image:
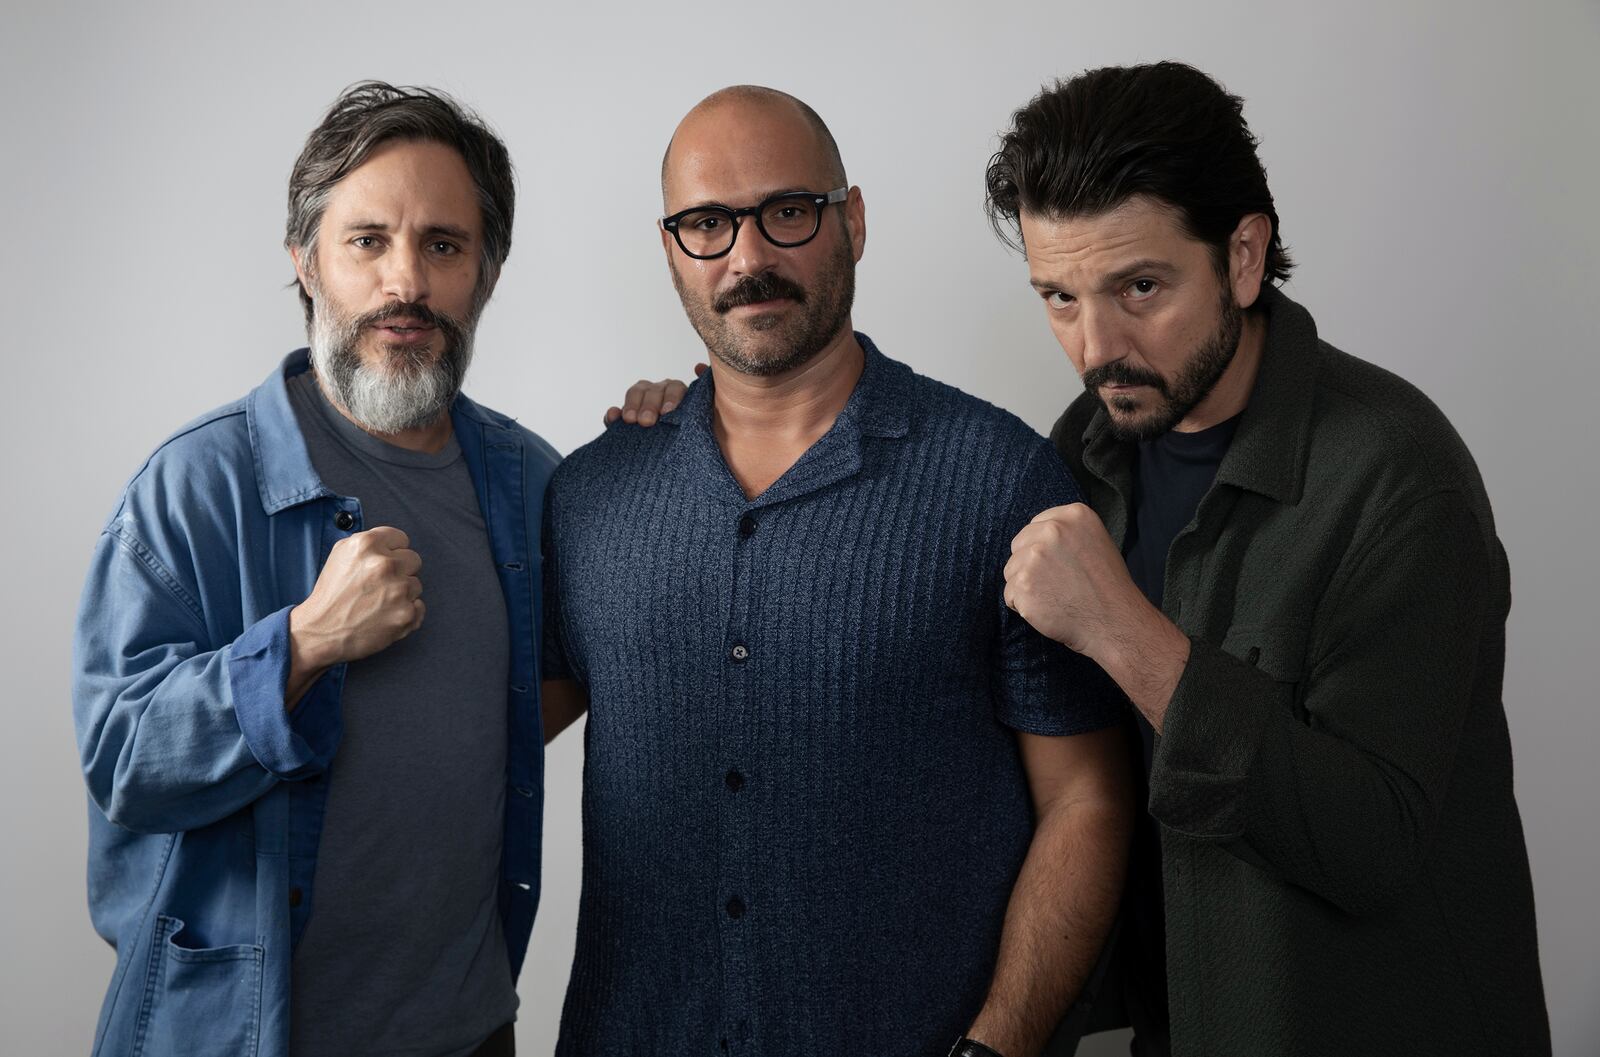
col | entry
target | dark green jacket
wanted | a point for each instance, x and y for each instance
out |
(1344, 866)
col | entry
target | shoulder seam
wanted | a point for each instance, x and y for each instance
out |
(147, 558)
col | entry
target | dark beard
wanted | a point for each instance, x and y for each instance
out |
(1198, 377)
(820, 318)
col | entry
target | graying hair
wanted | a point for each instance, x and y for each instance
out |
(371, 113)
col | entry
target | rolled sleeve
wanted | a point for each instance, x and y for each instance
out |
(288, 744)
(1209, 740)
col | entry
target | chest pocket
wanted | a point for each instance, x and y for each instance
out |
(1276, 650)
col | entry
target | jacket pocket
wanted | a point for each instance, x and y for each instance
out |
(1278, 651)
(200, 1001)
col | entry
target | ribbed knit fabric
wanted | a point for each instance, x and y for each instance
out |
(803, 802)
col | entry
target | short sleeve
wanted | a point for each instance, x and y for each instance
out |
(1041, 686)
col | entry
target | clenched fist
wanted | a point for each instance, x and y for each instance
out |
(367, 598)
(1066, 578)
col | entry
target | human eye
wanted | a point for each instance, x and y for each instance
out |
(706, 222)
(365, 242)
(1057, 299)
(443, 248)
(1142, 288)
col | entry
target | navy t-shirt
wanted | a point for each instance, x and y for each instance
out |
(1171, 477)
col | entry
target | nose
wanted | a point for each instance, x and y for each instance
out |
(405, 275)
(752, 254)
(1101, 337)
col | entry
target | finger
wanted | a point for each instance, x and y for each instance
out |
(612, 414)
(633, 400)
(419, 610)
(701, 368)
(413, 588)
(387, 537)
(673, 395)
(652, 401)
(406, 562)
(1032, 533)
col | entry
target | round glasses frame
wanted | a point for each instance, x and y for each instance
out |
(736, 216)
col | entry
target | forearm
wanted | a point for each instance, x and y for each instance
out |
(310, 657)
(172, 740)
(1146, 654)
(1060, 912)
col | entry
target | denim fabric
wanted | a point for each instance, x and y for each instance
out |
(206, 795)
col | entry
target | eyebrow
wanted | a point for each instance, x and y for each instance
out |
(761, 196)
(1143, 266)
(448, 230)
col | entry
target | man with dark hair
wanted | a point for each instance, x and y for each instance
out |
(1288, 562)
(837, 798)
(315, 801)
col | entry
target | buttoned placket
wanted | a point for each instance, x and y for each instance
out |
(738, 907)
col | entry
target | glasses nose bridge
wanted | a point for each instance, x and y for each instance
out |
(757, 252)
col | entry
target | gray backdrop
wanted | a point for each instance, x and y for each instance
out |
(1434, 165)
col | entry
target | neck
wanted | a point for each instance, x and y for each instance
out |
(1232, 391)
(429, 439)
(793, 408)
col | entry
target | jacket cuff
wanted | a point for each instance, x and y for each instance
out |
(1208, 743)
(289, 745)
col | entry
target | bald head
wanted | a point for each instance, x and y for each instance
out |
(749, 118)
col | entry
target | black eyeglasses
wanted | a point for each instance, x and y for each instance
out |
(788, 220)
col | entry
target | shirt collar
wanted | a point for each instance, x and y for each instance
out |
(877, 408)
(285, 476)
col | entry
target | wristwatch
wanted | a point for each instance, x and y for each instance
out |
(966, 1047)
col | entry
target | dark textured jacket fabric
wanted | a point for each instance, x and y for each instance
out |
(1344, 866)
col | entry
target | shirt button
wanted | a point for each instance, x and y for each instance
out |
(740, 652)
(296, 897)
(736, 908)
(747, 526)
(343, 520)
(735, 781)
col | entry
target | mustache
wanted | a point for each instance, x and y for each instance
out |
(407, 310)
(756, 288)
(1119, 373)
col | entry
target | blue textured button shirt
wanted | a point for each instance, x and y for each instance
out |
(804, 806)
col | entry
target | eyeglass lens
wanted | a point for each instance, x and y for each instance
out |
(785, 221)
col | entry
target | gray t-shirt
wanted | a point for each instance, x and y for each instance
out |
(404, 951)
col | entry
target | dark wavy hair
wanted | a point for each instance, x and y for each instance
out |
(371, 113)
(1085, 146)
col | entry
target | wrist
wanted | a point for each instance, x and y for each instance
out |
(970, 1047)
(309, 649)
(1147, 661)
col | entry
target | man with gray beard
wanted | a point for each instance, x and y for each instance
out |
(316, 784)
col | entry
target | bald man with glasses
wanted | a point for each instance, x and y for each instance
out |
(837, 798)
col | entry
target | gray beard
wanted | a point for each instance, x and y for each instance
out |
(411, 392)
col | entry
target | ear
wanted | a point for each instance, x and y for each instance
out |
(1247, 257)
(666, 241)
(302, 268)
(855, 221)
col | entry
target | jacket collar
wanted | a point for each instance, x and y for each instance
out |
(1269, 450)
(284, 474)
(877, 408)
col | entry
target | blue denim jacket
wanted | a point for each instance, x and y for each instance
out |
(206, 795)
